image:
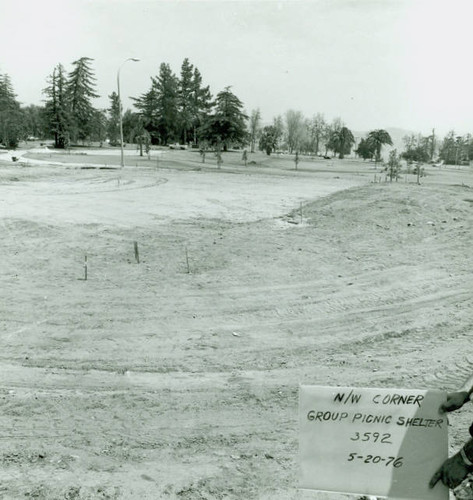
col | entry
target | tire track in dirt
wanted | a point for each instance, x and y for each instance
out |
(139, 371)
(89, 186)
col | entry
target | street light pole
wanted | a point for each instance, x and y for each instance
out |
(122, 162)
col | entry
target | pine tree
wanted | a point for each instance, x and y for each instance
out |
(185, 100)
(80, 91)
(147, 105)
(227, 125)
(57, 109)
(201, 102)
(10, 114)
(113, 122)
(167, 110)
(159, 107)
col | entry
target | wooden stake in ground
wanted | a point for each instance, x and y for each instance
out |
(301, 212)
(137, 253)
(187, 262)
(85, 268)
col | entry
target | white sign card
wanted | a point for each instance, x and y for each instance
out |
(382, 442)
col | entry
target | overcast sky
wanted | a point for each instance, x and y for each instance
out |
(374, 63)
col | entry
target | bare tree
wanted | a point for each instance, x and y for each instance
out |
(278, 125)
(317, 126)
(255, 120)
(294, 129)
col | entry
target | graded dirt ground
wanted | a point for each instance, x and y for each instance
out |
(177, 377)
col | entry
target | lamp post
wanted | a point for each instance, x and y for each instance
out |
(122, 162)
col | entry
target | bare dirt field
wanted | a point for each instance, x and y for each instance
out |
(177, 377)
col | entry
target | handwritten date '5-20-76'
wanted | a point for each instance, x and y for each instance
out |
(376, 459)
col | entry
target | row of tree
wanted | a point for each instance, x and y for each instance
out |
(67, 115)
(452, 150)
(311, 136)
(180, 108)
(456, 149)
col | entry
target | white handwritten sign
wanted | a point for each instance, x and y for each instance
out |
(382, 442)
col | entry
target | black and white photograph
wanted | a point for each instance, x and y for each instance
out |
(237, 249)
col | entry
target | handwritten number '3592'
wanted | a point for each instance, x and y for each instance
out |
(373, 436)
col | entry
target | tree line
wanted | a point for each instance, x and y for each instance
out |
(174, 109)
(181, 109)
(316, 136)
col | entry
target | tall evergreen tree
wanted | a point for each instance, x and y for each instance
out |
(113, 122)
(57, 108)
(10, 114)
(227, 125)
(202, 103)
(185, 100)
(80, 92)
(167, 111)
(159, 107)
(147, 105)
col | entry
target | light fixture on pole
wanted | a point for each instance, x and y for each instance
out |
(122, 163)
